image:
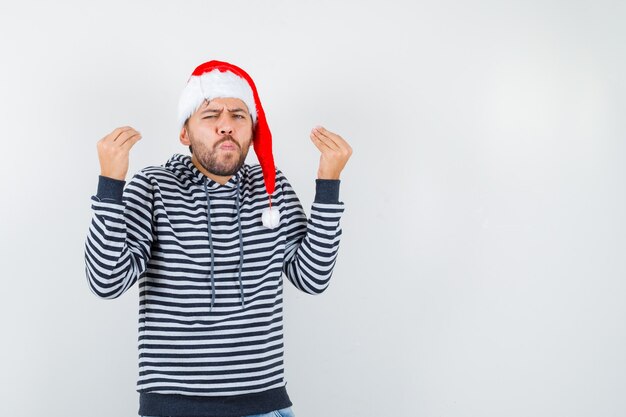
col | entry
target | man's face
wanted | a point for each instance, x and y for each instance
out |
(220, 134)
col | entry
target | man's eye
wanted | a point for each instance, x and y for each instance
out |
(208, 117)
(239, 116)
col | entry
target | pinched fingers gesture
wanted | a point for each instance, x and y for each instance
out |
(335, 152)
(113, 150)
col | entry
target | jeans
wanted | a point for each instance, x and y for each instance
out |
(285, 412)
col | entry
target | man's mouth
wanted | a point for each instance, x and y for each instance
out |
(228, 146)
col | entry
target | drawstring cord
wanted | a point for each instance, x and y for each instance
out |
(240, 247)
(208, 211)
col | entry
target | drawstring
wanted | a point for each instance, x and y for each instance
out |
(240, 247)
(208, 214)
(208, 200)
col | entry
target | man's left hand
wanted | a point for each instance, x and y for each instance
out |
(335, 153)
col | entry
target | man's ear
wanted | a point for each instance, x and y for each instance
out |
(184, 137)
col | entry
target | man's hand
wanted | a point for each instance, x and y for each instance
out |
(113, 152)
(335, 153)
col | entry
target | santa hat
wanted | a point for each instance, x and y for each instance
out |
(215, 79)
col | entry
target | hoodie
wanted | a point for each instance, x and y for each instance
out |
(210, 279)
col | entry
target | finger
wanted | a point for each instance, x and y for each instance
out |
(330, 137)
(117, 132)
(125, 135)
(323, 145)
(324, 139)
(337, 140)
(110, 137)
(128, 143)
(319, 144)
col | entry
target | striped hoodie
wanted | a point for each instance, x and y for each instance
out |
(210, 279)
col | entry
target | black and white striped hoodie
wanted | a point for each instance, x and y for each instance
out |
(210, 286)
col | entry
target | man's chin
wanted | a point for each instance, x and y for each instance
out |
(225, 170)
(227, 163)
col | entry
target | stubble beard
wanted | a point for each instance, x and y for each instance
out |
(221, 165)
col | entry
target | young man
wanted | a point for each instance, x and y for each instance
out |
(208, 239)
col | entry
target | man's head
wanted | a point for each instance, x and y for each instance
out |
(219, 134)
(218, 89)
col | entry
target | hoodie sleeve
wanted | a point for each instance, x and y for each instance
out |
(312, 244)
(117, 247)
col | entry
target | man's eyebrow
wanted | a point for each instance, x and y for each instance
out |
(219, 110)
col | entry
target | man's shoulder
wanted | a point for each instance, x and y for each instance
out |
(254, 173)
(156, 172)
(153, 177)
(252, 169)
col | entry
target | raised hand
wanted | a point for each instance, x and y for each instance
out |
(335, 152)
(113, 150)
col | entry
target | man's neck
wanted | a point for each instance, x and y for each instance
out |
(217, 178)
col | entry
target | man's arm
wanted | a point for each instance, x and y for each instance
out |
(118, 244)
(117, 247)
(312, 244)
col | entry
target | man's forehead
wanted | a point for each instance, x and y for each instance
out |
(219, 104)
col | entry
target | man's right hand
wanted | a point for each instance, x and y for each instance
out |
(113, 152)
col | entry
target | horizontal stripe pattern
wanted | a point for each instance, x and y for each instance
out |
(157, 236)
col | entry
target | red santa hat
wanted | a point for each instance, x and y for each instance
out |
(215, 79)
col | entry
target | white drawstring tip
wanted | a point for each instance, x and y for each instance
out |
(271, 217)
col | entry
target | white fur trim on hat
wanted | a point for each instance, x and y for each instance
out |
(212, 85)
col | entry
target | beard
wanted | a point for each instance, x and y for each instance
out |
(216, 161)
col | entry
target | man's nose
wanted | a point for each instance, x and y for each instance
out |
(225, 128)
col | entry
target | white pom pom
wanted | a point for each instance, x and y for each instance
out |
(271, 217)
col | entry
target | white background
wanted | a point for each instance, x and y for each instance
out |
(481, 270)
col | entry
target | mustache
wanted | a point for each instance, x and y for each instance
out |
(226, 139)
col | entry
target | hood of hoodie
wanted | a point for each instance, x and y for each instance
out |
(182, 166)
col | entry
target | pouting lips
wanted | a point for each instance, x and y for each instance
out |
(229, 145)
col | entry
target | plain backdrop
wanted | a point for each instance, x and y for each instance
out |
(481, 270)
